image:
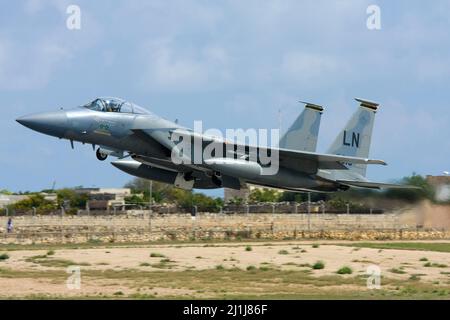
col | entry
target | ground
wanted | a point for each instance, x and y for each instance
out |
(254, 270)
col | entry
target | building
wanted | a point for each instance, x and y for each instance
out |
(105, 198)
(441, 185)
(231, 195)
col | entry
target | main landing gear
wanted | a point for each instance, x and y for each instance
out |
(101, 156)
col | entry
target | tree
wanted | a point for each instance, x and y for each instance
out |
(76, 200)
(264, 195)
(163, 192)
(160, 191)
(424, 191)
(34, 201)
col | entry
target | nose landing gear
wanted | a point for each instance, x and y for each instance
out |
(101, 156)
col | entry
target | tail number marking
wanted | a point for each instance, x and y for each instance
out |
(354, 139)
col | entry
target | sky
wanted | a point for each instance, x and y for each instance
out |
(232, 64)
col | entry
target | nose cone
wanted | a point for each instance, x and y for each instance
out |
(51, 123)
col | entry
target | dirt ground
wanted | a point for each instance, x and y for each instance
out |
(225, 270)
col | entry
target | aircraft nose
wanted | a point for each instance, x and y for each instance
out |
(51, 123)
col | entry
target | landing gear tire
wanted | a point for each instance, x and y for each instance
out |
(101, 156)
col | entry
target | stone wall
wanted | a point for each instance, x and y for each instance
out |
(140, 226)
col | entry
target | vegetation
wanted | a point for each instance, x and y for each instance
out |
(164, 193)
(222, 284)
(157, 255)
(424, 246)
(145, 264)
(414, 277)
(356, 199)
(397, 270)
(46, 261)
(345, 270)
(283, 252)
(435, 265)
(34, 201)
(425, 192)
(318, 265)
(4, 256)
(248, 248)
(264, 195)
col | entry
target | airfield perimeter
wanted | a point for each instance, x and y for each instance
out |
(228, 269)
(220, 256)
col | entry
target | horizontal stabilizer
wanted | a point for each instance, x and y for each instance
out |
(375, 185)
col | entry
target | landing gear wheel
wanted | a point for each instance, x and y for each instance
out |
(101, 156)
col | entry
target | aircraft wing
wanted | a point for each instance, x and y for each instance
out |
(375, 185)
(303, 161)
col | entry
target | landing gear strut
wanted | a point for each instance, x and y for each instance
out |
(101, 156)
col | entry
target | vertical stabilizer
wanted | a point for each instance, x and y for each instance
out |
(354, 140)
(303, 133)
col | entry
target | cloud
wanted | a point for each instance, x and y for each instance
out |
(30, 66)
(304, 67)
(169, 68)
(31, 53)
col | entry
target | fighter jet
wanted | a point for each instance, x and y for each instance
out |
(155, 148)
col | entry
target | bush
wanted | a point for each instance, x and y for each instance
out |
(165, 260)
(248, 248)
(251, 268)
(157, 255)
(345, 270)
(283, 252)
(318, 265)
(4, 256)
(398, 271)
(423, 259)
(50, 252)
(315, 245)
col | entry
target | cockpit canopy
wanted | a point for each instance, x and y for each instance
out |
(115, 105)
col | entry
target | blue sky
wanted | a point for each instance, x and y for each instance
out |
(232, 64)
